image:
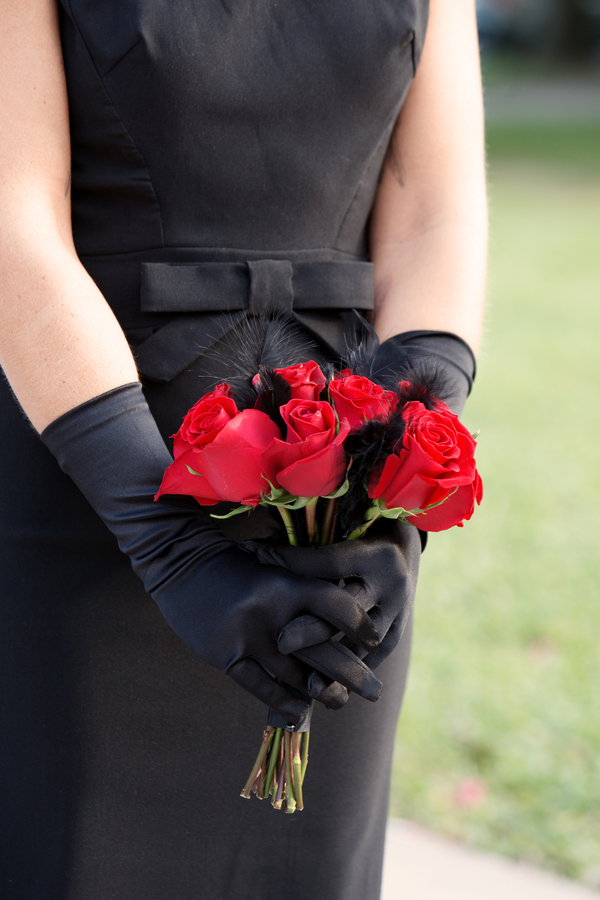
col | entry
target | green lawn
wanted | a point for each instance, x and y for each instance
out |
(505, 680)
(577, 147)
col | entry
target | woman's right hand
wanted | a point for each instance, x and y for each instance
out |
(226, 605)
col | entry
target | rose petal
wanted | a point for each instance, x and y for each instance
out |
(316, 476)
(179, 480)
(306, 380)
(308, 469)
(457, 508)
(399, 471)
(231, 463)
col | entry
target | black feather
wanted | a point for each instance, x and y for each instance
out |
(267, 340)
(425, 380)
(410, 373)
(392, 362)
(366, 450)
(273, 393)
(359, 356)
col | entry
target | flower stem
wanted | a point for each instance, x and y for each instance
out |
(297, 769)
(267, 737)
(289, 525)
(274, 753)
(305, 739)
(278, 794)
(311, 519)
(260, 784)
(327, 532)
(372, 515)
(290, 803)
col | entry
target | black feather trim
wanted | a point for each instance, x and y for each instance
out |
(425, 380)
(267, 340)
(273, 393)
(366, 450)
(390, 363)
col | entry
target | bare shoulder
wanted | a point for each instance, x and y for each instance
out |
(34, 122)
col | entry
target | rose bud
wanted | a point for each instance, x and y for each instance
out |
(310, 462)
(306, 380)
(359, 399)
(205, 419)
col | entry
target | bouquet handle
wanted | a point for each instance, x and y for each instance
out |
(277, 721)
(281, 763)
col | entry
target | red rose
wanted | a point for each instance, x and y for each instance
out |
(310, 462)
(205, 419)
(435, 465)
(229, 466)
(306, 380)
(358, 399)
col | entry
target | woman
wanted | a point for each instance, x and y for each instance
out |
(222, 155)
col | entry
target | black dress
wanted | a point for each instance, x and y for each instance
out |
(225, 153)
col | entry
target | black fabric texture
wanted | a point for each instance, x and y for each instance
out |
(123, 752)
(249, 135)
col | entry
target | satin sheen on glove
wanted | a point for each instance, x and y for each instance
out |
(379, 570)
(225, 604)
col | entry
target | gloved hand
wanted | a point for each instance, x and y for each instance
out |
(379, 571)
(227, 606)
(448, 353)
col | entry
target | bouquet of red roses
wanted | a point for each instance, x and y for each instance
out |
(332, 452)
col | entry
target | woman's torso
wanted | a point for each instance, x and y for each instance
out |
(227, 154)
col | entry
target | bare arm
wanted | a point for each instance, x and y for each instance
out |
(60, 343)
(429, 224)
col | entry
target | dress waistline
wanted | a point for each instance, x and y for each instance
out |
(187, 306)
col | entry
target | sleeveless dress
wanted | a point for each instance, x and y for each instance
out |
(226, 153)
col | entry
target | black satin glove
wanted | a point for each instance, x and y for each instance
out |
(448, 353)
(227, 606)
(379, 571)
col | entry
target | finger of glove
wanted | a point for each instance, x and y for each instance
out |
(385, 616)
(391, 630)
(387, 646)
(397, 612)
(331, 694)
(305, 631)
(252, 677)
(340, 664)
(345, 612)
(291, 671)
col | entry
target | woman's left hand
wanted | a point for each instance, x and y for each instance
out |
(379, 570)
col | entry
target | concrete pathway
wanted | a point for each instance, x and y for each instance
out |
(420, 865)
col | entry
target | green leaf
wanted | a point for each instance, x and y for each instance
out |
(277, 498)
(339, 493)
(277, 493)
(234, 512)
(300, 502)
(397, 512)
(191, 471)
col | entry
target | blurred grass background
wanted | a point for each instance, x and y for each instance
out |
(499, 740)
